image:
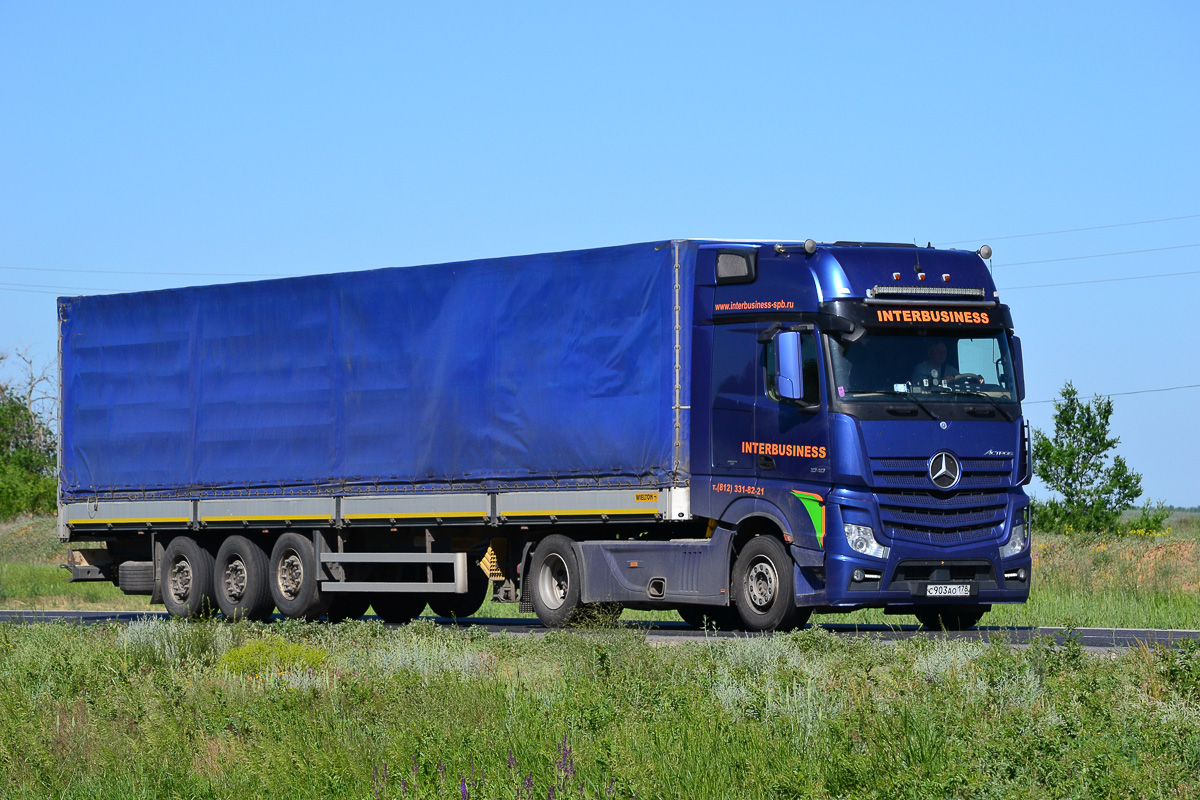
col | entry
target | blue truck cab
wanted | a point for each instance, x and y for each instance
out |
(865, 402)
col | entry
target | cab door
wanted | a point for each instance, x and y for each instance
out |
(792, 470)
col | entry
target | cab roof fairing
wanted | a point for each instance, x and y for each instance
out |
(848, 272)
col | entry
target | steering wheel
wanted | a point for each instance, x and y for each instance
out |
(966, 379)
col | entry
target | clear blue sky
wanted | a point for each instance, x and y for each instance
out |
(238, 140)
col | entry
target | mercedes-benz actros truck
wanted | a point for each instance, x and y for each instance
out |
(746, 432)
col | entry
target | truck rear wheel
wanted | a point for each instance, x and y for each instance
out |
(240, 580)
(461, 606)
(555, 584)
(295, 580)
(951, 618)
(186, 578)
(763, 586)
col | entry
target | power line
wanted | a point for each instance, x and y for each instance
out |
(144, 272)
(1100, 280)
(1098, 255)
(55, 287)
(1123, 394)
(1071, 230)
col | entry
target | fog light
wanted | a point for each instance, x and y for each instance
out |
(1021, 574)
(857, 575)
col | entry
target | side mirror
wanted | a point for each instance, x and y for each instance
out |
(789, 378)
(1018, 367)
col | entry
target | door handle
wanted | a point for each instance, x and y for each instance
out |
(766, 462)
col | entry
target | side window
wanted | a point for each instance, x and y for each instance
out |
(809, 369)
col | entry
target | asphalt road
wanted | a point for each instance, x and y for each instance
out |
(671, 632)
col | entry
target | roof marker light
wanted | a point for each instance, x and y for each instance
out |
(895, 276)
(920, 276)
(946, 276)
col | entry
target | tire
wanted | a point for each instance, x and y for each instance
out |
(712, 618)
(398, 608)
(461, 606)
(950, 618)
(555, 581)
(136, 577)
(348, 605)
(186, 579)
(763, 586)
(240, 581)
(294, 581)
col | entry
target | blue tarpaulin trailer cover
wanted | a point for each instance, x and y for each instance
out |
(530, 371)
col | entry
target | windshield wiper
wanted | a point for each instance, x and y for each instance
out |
(974, 393)
(907, 396)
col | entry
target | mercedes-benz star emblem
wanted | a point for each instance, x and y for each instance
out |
(944, 470)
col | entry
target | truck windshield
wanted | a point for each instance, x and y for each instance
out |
(934, 368)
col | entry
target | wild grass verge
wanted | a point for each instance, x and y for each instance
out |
(166, 709)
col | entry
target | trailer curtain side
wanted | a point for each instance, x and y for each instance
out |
(525, 372)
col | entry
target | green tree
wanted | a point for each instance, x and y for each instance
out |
(1074, 462)
(27, 456)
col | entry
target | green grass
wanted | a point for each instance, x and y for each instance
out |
(1077, 582)
(167, 709)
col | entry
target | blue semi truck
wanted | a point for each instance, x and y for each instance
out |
(744, 431)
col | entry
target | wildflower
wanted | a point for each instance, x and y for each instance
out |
(512, 760)
(462, 788)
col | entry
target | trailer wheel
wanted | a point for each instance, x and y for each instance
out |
(398, 608)
(763, 586)
(950, 618)
(240, 581)
(555, 573)
(348, 605)
(294, 579)
(461, 606)
(186, 578)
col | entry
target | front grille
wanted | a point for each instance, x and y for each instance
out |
(912, 509)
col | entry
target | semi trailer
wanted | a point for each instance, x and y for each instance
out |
(746, 432)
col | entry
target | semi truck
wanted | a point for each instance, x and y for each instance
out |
(746, 432)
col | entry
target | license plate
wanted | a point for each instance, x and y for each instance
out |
(948, 590)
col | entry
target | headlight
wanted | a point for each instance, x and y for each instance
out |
(862, 540)
(1016, 542)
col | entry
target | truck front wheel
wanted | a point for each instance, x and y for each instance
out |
(763, 587)
(295, 581)
(240, 580)
(186, 577)
(555, 584)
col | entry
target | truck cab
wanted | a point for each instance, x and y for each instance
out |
(865, 406)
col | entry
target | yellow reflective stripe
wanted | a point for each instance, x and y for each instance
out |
(579, 511)
(137, 520)
(240, 517)
(389, 515)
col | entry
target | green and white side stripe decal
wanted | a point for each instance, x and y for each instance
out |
(814, 504)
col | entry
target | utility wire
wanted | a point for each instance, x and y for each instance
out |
(1099, 280)
(1122, 394)
(1098, 255)
(1071, 230)
(142, 272)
